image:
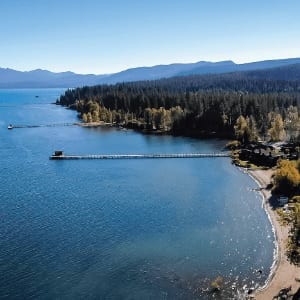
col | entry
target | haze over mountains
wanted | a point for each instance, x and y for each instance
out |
(282, 69)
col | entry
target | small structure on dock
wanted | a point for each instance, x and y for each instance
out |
(58, 153)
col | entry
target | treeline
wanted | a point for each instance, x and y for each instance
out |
(287, 182)
(287, 178)
(209, 105)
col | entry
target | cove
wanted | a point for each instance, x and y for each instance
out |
(121, 229)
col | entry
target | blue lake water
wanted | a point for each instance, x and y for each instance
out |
(120, 229)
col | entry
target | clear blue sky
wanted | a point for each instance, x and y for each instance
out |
(105, 36)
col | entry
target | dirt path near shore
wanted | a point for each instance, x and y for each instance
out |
(285, 273)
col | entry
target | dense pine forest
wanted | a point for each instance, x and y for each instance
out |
(244, 105)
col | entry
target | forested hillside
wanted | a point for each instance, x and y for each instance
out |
(201, 105)
(290, 72)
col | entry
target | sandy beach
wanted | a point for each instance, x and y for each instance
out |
(284, 273)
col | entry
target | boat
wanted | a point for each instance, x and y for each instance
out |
(10, 126)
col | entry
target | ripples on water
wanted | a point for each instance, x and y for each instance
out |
(126, 229)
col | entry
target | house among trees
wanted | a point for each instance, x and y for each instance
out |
(263, 154)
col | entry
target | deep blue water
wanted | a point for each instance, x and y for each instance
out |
(120, 229)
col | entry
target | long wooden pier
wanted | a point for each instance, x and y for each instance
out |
(139, 156)
(41, 125)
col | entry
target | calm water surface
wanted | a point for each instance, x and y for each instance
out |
(120, 229)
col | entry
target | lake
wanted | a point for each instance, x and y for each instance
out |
(120, 229)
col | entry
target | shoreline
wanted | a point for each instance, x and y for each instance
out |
(282, 273)
(202, 135)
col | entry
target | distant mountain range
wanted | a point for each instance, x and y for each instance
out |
(281, 69)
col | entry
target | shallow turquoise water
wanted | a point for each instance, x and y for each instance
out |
(120, 229)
